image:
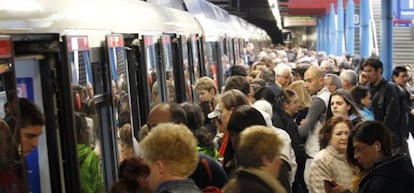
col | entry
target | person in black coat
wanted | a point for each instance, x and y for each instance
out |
(369, 149)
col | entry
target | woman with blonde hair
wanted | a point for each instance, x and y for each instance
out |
(304, 99)
(258, 154)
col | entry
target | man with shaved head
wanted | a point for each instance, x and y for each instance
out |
(166, 112)
(310, 126)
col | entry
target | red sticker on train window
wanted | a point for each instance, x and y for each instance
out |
(115, 41)
(5, 48)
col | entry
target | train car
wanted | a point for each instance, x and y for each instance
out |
(107, 62)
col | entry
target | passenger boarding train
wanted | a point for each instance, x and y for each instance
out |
(111, 61)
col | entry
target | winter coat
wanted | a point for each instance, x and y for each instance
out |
(393, 174)
(253, 180)
(90, 171)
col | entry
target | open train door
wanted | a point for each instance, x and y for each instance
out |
(88, 88)
(13, 176)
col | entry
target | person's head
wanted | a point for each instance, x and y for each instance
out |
(265, 93)
(259, 65)
(368, 143)
(132, 174)
(238, 71)
(341, 104)
(228, 101)
(332, 82)
(237, 82)
(267, 75)
(125, 140)
(361, 96)
(241, 118)
(32, 122)
(400, 75)
(290, 102)
(314, 79)
(166, 112)
(259, 146)
(299, 70)
(206, 89)
(328, 65)
(304, 97)
(194, 114)
(373, 69)
(283, 75)
(349, 79)
(81, 126)
(335, 132)
(170, 150)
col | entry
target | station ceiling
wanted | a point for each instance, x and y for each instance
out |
(259, 12)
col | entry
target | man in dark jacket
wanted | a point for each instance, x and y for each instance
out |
(385, 100)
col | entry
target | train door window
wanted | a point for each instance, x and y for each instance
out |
(11, 163)
(186, 68)
(211, 67)
(237, 55)
(230, 50)
(194, 65)
(121, 100)
(167, 61)
(224, 64)
(87, 115)
(158, 94)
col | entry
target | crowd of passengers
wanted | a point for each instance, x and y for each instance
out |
(291, 121)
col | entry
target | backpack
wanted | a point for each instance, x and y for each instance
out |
(209, 189)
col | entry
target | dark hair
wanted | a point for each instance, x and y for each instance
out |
(374, 62)
(124, 118)
(239, 83)
(237, 71)
(325, 134)
(178, 115)
(265, 93)
(348, 99)
(130, 171)
(30, 114)
(368, 132)
(268, 75)
(194, 115)
(398, 69)
(243, 117)
(358, 93)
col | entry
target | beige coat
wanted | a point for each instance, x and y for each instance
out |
(329, 164)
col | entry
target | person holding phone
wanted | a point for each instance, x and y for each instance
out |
(330, 164)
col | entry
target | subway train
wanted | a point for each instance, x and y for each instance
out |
(108, 62)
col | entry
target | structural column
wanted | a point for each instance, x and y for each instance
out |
(350, 29)
(340, 28)
(364, 29)
(326, 38)
(332, 31)
(387, 48)
(318, 33)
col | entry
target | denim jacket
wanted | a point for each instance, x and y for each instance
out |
(178, 186)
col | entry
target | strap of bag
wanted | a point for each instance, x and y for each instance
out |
(208, 169)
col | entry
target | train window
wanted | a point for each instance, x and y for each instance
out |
(230, 50)
(195, 64)
(168, 67)
(121, 99)
(186, 67)
(153, 76)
